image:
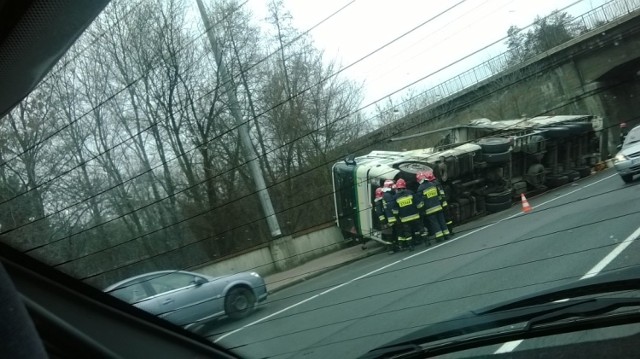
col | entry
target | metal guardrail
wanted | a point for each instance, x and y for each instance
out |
(588, 21)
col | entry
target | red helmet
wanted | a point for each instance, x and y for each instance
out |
(379, 193)
(400, 184)
(430, 176)
(388, 185)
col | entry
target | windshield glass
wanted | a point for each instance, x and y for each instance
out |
(329, 176)
(632, 137)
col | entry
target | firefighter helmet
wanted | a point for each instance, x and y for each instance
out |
(388, 185)
(400, 184)
(429, 176)
(379, 193)
(421, 176)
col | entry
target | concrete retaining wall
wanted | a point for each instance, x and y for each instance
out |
(281, 254)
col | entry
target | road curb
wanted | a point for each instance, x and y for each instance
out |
(325, 270)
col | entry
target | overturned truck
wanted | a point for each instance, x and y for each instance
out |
(484, 167)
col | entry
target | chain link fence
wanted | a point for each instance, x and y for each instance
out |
(591, 20)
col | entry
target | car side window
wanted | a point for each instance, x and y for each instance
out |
(131, 293)
(167, 282)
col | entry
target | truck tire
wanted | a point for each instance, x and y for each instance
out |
(536, 144)
(519, 188)
(536, 175)
(413, 167)
(497, 207)
(572, 175)
(479, 165)
(441, 172)
(556, 181)
(584, 171)
(575, 129)
(497, 158)
(494, 144)
(556, 132)
(498, 197)
(452, 167)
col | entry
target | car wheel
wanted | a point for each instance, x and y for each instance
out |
(239, 302)
(497, 207)
(627, 178)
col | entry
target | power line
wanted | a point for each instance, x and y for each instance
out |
(423, 325)
(146, 234)
(245, 196)
(223, 205)
(411, 307)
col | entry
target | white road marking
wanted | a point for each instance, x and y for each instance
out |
(612, 255)
(399, 261)
(508, 346)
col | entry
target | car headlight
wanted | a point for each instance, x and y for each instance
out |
(620, 157)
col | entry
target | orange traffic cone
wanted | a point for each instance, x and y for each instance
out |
(526, 208)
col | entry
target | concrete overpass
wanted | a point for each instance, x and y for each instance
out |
(596, 73)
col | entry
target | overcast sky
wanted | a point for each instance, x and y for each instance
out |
(462, 28)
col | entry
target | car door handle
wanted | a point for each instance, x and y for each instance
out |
(167, 301)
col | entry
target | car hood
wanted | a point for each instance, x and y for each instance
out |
(541, 307)
(631, 149)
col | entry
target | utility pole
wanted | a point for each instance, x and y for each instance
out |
(243, 129)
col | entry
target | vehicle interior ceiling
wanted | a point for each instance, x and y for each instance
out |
(46, 313)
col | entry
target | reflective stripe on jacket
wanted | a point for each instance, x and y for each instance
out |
(388, 202)
(431, 197)
(406, 206)
(379, 210)
(443, 196)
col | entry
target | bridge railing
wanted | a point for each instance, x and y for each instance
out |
(588, 21)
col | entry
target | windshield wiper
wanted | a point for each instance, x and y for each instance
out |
(538, 315)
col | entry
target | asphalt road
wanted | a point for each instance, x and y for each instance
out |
(570, 233)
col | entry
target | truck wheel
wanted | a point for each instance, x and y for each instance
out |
(536, 144)
(535, 175)
(452, 167)
(572, 175)
(519, 188)
(498, 197)
(497, 158)
(494, 144)
(584, 171)
(556, 181)
(497, 207)
(556, 132)
(414, 167)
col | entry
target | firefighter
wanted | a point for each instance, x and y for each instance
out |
(406, 208)
(378, 207)
(445, 206)
(379, 210)
(388, 200)
(432, 206)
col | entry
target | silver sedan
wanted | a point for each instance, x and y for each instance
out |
(187, 298)
(627, 161)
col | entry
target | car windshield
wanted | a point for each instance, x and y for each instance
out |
(316, 179)
(632, 137)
